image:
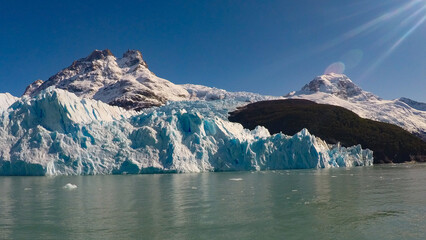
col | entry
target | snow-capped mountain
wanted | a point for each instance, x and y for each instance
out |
(126, 82)
(55, 132)
(6, 99)
(339, 90)
(338, 85)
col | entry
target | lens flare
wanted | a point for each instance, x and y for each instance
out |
(337, 67)
(395, 25)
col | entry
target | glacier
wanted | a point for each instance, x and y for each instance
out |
(58, 133)
(6, 99)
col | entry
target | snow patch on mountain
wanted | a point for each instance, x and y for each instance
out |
(57, 133)
(339, 90)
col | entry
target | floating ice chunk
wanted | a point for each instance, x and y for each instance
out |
(69, 186)
(235, 179)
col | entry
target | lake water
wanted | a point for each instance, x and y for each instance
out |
(380, 202)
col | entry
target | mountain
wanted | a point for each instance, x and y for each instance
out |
(334, 124)
(339, 90)
(126, 82)
(6, 99)
(57, 133)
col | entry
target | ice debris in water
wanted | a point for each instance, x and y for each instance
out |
(56, 133)
(235, 179)
(69, 186)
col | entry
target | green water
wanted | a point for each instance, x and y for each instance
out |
(380, 202)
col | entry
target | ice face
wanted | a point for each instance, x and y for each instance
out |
(57, 133)
(6, 99)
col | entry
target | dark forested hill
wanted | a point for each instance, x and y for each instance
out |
(334, 124)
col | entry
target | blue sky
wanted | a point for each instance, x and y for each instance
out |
(268, 47)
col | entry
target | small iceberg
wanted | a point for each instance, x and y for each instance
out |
(69, 186)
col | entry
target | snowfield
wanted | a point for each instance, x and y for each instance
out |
(58, 133)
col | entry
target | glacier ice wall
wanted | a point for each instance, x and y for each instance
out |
(6, 99)
(57, 133)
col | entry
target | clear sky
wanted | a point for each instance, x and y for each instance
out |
(268, 47)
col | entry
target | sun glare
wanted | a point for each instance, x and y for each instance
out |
(411, 16)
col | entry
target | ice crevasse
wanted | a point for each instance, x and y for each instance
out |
(57, 133)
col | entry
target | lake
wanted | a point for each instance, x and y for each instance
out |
(379, 202)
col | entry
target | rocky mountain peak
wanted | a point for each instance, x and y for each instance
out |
(32, 87)
(131, 58)
(98, 54)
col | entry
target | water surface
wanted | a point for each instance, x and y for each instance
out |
(380, 202)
